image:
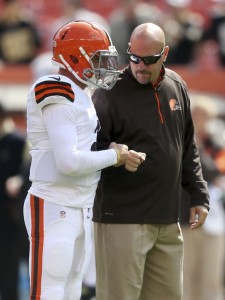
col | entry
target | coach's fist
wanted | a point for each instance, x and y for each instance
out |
(134, 160)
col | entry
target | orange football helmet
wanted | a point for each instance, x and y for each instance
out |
(86, 50)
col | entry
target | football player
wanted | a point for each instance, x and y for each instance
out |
(62, 126)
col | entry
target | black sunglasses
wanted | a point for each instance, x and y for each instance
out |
(148, 60)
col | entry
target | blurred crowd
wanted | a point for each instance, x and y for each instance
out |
(195, 39)
(25, 34)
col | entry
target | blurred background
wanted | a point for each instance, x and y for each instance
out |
(195, 32)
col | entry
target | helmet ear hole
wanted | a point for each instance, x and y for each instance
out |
(74, 59)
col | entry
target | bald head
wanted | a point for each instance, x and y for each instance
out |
(149, 35)
(147, 52)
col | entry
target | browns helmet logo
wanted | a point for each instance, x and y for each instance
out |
(174, 104)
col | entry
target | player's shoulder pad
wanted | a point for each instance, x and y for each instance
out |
(53, 89)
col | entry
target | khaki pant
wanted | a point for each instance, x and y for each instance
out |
(138, 262)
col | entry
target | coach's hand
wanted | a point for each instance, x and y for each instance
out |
(198, 215)
(134, 160)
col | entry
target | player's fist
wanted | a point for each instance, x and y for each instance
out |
(121, 151)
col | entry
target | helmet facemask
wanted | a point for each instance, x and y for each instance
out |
(104, 68)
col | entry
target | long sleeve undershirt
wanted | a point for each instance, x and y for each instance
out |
(60, 121)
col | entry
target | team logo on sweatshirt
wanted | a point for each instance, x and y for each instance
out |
(174, 104)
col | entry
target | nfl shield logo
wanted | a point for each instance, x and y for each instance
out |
(62, 214)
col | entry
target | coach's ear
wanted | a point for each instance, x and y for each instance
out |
(165, 54)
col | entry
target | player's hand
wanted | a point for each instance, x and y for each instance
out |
(122, 153)
(134, 160)
(198, 215)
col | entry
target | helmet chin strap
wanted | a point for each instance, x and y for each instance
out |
(57, 64)
(73, 72)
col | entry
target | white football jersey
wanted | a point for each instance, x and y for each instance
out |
(62, 127)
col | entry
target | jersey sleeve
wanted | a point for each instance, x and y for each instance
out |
(49, 92)
(60, 121)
